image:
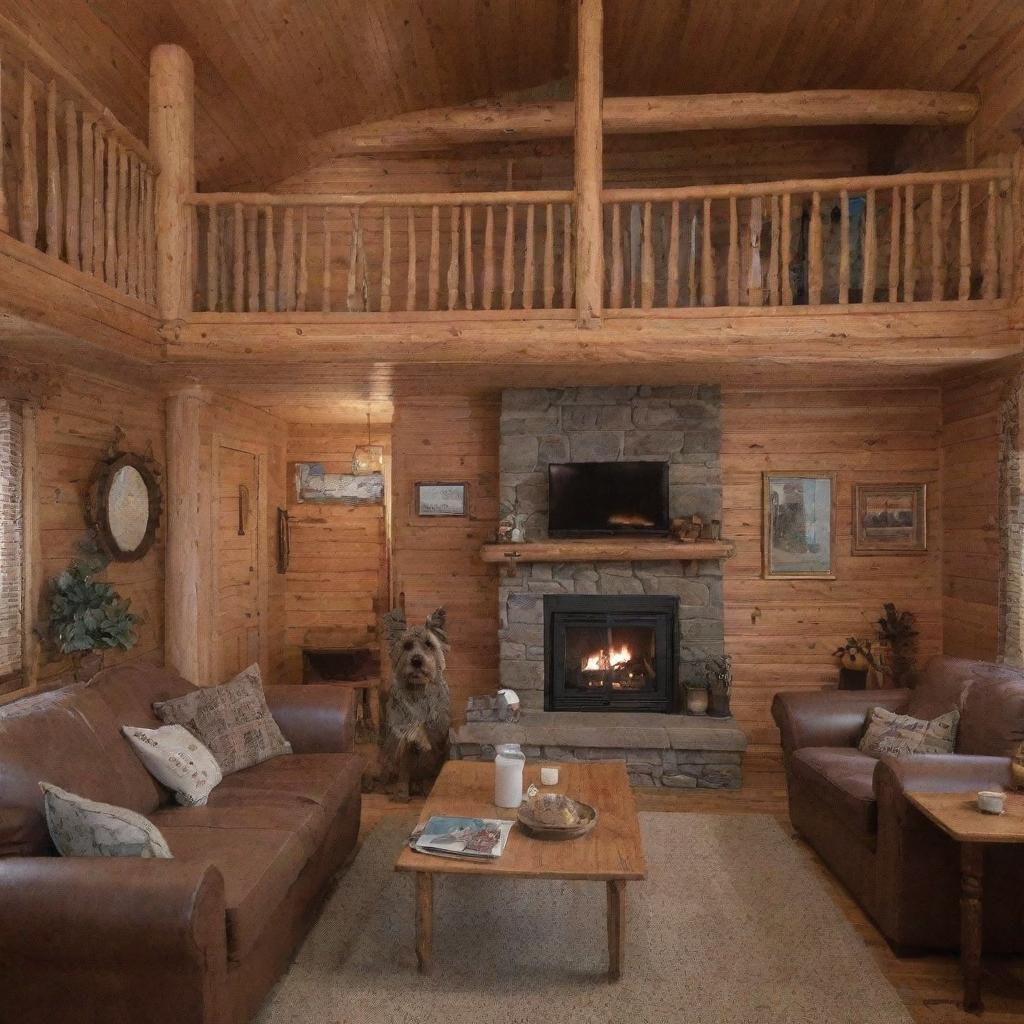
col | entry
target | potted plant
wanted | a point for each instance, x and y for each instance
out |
(88, 615)
(897, 633)
(697, 697)
(718, 673)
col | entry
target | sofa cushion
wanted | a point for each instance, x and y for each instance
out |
(176, 759)
(259, 862)
(889, 733)
(233, 720)
(992, 720)
(842, 776)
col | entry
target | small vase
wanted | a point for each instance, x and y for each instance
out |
(696, 700)
(85, 664)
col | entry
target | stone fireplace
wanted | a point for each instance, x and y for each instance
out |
(679, 426)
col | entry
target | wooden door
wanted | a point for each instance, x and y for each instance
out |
(237, 547)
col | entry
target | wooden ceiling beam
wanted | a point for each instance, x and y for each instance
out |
(497, 121)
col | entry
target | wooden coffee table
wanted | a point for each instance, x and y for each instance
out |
(958, 816)
(612, 853)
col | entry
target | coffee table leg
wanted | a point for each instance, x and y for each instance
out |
(616, 927)
(971, 871)
(424, 920)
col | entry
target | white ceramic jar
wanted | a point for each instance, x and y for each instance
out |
(509, 763)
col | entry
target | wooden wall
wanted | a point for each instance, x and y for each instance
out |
(435, 560)
(781, 633)
(76, 421)
(970, 496)
(337, 581)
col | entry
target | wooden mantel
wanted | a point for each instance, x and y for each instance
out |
(613, 549)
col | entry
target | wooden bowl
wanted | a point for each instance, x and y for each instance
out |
(588, 819)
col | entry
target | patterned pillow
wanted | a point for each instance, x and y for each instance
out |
(173, 756)
(86, 828)
(233, 720)
(889, 733)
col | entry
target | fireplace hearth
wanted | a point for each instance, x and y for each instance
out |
(610, 653)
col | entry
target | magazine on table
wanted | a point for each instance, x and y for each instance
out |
(475, 838)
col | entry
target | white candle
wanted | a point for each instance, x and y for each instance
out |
(549, 776)
(508, 776)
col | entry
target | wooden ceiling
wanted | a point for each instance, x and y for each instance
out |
(275, 73)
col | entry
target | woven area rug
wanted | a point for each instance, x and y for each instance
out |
(731, 925)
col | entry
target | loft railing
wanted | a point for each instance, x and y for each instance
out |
(906, 238)
(80, 187)
(382, 254)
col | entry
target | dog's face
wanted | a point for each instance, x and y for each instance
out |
(417, 652)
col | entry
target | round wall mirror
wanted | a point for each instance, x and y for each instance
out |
(125, 507)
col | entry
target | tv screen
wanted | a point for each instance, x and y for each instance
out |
(587, 499)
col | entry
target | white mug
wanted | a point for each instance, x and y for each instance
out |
(991, 801)
(549, 776)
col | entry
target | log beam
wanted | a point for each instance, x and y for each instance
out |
(589, 163)
(171, 136)
(497, 121)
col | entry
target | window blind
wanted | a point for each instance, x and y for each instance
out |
(11, 540)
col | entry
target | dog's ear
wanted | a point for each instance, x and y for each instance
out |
(436, 625)
(394, 626)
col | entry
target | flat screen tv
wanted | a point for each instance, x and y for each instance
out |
(601, 499)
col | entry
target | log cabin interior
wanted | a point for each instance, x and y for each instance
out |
(674, 349)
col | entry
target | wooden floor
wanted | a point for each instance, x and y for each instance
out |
(929, 986)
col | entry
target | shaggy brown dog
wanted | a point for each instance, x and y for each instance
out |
(419, 708)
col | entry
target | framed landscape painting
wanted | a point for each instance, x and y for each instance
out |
(799, 525)
(890, 519)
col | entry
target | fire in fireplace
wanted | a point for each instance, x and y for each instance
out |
(610, 653)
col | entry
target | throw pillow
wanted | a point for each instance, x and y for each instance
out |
(86, 828)
(889, 733)
(173, 756)
(233, 720)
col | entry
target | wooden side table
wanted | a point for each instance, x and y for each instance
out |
(958, 816)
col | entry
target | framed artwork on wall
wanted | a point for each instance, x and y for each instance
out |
(799, 515)
(890, 519)
(441, 499)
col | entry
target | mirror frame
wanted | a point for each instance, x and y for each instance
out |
(99, 497)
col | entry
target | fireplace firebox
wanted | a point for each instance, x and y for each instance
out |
(610, 652)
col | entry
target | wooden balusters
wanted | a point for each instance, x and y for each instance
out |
(110, 215)
(302, 282)
(615, 297)
(434, 268)
(53, 194)
(755, 284)
(87, 195)
(385, 269)
(529, 276)
(325, 277)
(99, 223)
(733, 264)
(567, 274)
(134, 227)
(672, 258)
(549, 256)
(773, 252)
(212, 258)
(252, 259)
(814, 268)
(909, 246)
(286, 279)
(894, 247)
(238, 259)
(844, 247)
(452, 279)
(269, 262)
(72, 193)
(28, 188)
(990, 260)
(410, 273)
(707, 259)
(488, 285)
(870, 256)
(122, 218)
(508, 264)
(938, 253)
(224, 260)
(149, 238)
(786, 248)
(468, 284)
(647, 260)
(691, 268)
(351, 296)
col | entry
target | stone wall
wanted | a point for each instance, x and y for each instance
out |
(678, 425)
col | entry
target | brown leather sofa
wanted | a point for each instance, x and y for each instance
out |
(854, 811)
(198, 939)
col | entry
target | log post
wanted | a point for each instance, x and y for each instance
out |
(186, 615)
(588, 162)
(171, 139)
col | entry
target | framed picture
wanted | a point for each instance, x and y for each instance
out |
(890, 519)
(799, 525)
(441, 499)
(314, 484)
